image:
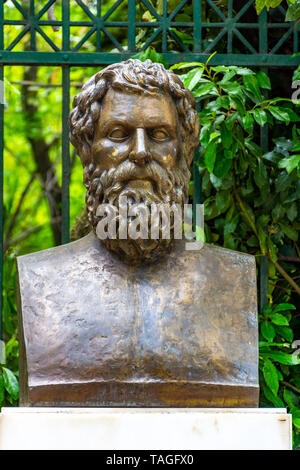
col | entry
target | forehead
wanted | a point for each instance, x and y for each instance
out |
(138, 109)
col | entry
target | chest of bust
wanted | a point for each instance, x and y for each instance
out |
(92, 320)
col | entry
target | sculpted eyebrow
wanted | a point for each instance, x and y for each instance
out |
(115, 122)
(153, 123)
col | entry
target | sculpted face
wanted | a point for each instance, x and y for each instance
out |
(135, 127)
(140, 128)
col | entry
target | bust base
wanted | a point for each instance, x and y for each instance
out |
(145, 429)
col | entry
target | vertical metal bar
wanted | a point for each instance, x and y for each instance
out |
(65, 129)
(264, 137)
(263, 32)
(131, 25)
(263, 282)
(296, 39)
(263, 49)
(32, 29)
(197, 18)
(65, 154)
(197, 179)
(66, 24)
(98, 28)
(164, 39)
(229, 40)
(1, 169)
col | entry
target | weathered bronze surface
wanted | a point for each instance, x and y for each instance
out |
(136, 322)
(135, 128)
(99, 332)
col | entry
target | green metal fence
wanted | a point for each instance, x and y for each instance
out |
(229, 33)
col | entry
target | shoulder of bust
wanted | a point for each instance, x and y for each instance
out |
(186, 249)
(59, 254)
(219, 250)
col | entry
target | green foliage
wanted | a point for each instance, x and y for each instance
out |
(251, 201)
(279, 376)
(9, 387)
(293, 11)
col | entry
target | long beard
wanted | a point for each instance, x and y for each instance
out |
(167, 187)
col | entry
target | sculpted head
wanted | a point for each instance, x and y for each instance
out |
(135, 128)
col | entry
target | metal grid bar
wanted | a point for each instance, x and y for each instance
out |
(264, 137)
(65, 129)
(197, 14)
(98, 27)
(263, 282)
(131, 25)
(102, 58)
(65, 154)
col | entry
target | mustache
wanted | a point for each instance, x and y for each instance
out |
(127, 170)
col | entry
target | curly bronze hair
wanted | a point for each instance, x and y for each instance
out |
(132, 76)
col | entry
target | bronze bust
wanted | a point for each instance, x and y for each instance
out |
(136, 322)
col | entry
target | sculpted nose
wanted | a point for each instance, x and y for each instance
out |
(140, 153)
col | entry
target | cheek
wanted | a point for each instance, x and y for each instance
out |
(165, 153)
(107, 154)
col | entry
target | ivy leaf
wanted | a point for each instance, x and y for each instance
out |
(260, 117)
(222, 165)
(2, 390)
(205, 135)
(282, 182)
(279, 319)
(275, 3)
(259, 5)
(290, 232)
(293, 12)
(10, 383)
(263, 80)
(273, 249)
(205, 89)
(232, 88)
(210, 156)
(248, 121)
(228, 76)
(290, 163)
(223, 200)
(252, 87)
(226, 136)
(279, 113)
(268, 330)
(192, 78)
(271, 376)
(285, 332)
(185, 65)
(272, 398)
(284, 307)
(288, 398)
(281, 357)
(296, 418)
(261, 177)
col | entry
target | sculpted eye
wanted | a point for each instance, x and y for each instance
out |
(159, 134)
(119, 133)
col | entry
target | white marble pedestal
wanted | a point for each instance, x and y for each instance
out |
(145, 428)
